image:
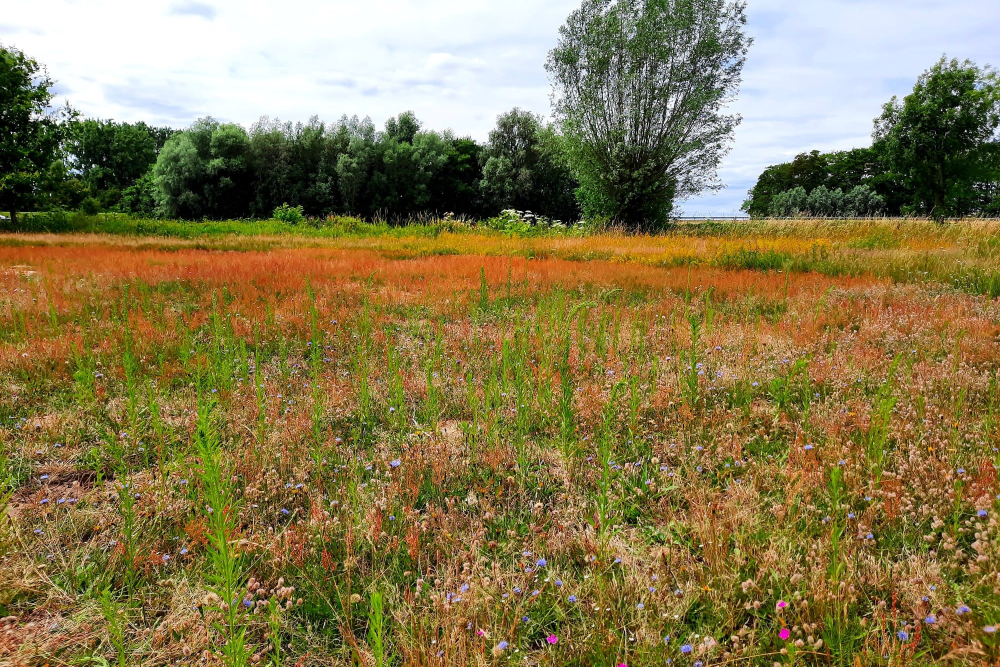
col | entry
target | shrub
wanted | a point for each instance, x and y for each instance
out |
(291, 215)
(862, 202)
(90, 206)
(790, 203)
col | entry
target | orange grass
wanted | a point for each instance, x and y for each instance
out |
(425, 419)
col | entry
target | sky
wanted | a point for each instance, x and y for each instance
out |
(816, 76)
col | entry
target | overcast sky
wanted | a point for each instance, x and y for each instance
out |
(815, 77)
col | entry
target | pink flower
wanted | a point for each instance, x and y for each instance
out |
(784, 634)
(552, 639)
(782, 604)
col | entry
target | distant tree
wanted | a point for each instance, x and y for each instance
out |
(863, 202)
(940, 142)
(57, 188)
(404, 168)
(313, 152)
(524, 168)
(403, 128)
(821, 202)
(110, 156)
(355, 164)
(639, 89)
(30, 130)
(203, 172)
(790, 203)
(844, 170)
(455, 187)
(139, 199)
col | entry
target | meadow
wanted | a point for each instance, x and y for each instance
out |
(728, 444)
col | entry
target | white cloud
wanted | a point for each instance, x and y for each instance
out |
(815, 78)
(191, 8)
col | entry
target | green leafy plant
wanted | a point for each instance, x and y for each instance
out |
(291, 215)
(227, 575)
(378, 630)
(115, 617)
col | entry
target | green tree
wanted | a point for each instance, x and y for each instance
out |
(525, 168)
(790, 203)
(405, 163)
(140, 198)
(30, 131)
(455, 187)
(355, 164)
(940, 142)
(843, 170)
(403, 128)
(110, 157)
(640, 87)
(203, 172)
(863, 202)
(57, 188)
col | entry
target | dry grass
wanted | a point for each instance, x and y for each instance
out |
(238, 450)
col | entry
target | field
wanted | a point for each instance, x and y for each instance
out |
(747, 444)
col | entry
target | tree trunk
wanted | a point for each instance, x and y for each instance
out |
(13, 219)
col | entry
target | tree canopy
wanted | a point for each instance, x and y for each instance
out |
(524, 168)
(110, 157)
(940, 142)
(934, 153)
(640, 89)
(29, 127)
(222, 170)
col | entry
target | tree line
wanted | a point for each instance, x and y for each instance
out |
(935, 153)
(216, 170)
(640, 91)
(641, 121)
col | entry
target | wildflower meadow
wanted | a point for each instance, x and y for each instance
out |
(765, 443)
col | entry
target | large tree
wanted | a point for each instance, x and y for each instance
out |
(640, 88)
(202, 172)
(29, 128)
(940, 142)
